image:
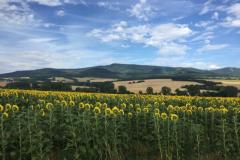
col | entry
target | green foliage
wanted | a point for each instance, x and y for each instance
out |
(55, 86)
(193, 90)
(18, 85)
(122, 89)
(228, 91)
(149, 90)
(166, 90)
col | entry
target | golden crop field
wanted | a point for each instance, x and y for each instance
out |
(70, 125)
(156, 84)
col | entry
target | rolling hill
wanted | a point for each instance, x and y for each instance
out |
(123, 71)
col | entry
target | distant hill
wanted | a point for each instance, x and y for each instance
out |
(123, 71)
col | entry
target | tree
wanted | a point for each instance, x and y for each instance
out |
(181, 93)
(228, 91)
(166, 90)
(122, 89)
(34, 85)
(149, 90)
(140, 92)
(193, 90)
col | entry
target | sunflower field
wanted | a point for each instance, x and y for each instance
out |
(39, 125)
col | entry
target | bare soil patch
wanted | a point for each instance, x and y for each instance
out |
(3, 84)
(94, 79)
(74, 87)
(156, 84)
(62, 79)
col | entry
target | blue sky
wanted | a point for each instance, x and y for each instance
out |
(38, 34)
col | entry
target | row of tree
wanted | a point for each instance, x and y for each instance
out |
(194, 90)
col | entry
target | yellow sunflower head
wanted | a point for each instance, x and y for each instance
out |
(49, 106)
(87, 106)
(200, 109)
(8, 107)
(123, 106)
(156, 110)
(1, 108)
(174, 117)
(72, 103)
(63, 103)
(138, 110)
(176, 108)
(108, 112)
(145, 110)
(189, 112)
(156, 104)
(164, 116)
(98, 104)
(97, 110)
(129, 115)
(105, 105)
(121, 112)
(81, 105)
(15, 107)
(5, 114)
(115, 111)
(157, 115)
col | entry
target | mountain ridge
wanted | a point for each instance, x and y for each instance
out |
(116, 70)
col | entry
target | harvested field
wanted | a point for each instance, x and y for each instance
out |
(62, 79)
(3, 84)
(93, 79)
(156, 84)
(74, 87)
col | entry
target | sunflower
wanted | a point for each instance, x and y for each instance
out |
(156, 104)
(235, 110)
(176, 108)
(189, 112)
(200, 109)
(121, 111)
(164, 115)
(129, 115)
(193, 108)
(16, 107)
(145, 110)
(131, 105)
(156, 110)
(137, 105)
(5, 114)
(104, 105)
(8, 107)
(224, 110)
(98, 104)
(157, 115)
(174, 117)
(63, 103)
(108, 112)
(169, 108)
(115, 111)
(1, 108)
(32, 107)
(81, 105)
(49, 106)
(138, 110)
(43, 113)
(97, 110)
(87, 106)
(123, 106)
(72, 103)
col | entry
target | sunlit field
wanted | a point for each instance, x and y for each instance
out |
(66, 125)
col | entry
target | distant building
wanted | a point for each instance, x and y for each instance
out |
(8, 80)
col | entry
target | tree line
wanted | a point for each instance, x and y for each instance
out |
(108, 87)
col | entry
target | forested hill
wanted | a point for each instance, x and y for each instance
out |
(124, 71)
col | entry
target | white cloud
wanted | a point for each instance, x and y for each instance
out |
(206, 35)
(60, 13)
(172, 49)
(206, 41)
(203, 23)
(201, 65)
(160, 36)
(212, 47)
(238, 32)
(141, 10)
(210, 28)
(175, 19)
(205, 8)
(225, 1)
(167, 61)
(48, 25)
(125, 46)
(233, 18)
(47, 2)
(215, 15)
(40, 40)
(107, 5)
